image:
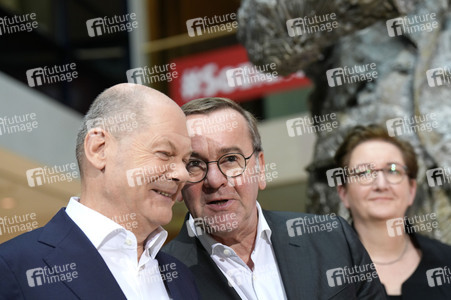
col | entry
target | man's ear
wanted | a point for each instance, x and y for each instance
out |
(95, 148)
(343, 193)
(262, 175)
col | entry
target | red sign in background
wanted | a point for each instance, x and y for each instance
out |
(204, 75)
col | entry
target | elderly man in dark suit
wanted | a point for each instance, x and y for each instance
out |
(237, 250)
(105, 244)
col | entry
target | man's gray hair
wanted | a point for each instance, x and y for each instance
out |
(113, 103)
(211, 104)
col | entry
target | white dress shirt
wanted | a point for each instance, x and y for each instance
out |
(118, 248)
(264, 281)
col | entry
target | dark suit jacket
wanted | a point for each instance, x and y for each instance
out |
(303, 261)
(61, 242)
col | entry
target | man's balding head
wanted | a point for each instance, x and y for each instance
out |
(120, 110)
(137, 169)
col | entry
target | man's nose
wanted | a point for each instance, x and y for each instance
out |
(214, 178)
(180, 173)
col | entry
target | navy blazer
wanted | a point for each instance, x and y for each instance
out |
(27, 267)
(304, 259)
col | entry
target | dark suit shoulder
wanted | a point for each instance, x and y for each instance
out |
(434, 251)
(284, 219)
(48, 235)
(433, 244)
(321, 245)
(21, 242)
(289, 214)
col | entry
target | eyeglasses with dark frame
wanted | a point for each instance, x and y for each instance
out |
(230, 164)
(394, 173)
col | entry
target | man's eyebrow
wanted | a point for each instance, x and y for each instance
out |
(196, 154)
(222, 151)
(164, 142)
(174, 149)
(233, 149)
(171, 145)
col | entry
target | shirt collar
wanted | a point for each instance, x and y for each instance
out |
(155, 241)
(99, 228)
(210, 244)
(263, 230)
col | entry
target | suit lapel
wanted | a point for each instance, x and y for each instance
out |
(174, 287)
(292, 259)
(209, 277)
(70, 245)
(213, 274)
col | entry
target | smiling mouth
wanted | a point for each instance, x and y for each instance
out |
(163, 193)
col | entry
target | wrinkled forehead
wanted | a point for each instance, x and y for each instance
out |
(219, 132)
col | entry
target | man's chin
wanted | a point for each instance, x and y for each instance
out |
(161, 217)
(166, 219)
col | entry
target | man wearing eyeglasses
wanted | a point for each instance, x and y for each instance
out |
(237, 250)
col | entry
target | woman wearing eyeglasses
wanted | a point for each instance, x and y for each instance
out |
(380, 185)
